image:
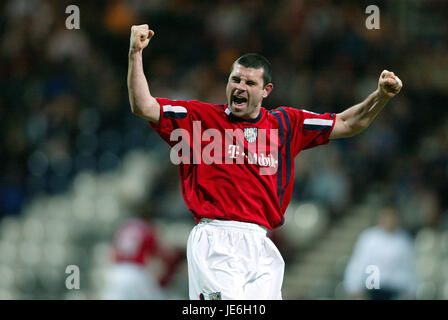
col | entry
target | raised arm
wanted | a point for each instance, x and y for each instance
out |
(357, 118)
(142, 103)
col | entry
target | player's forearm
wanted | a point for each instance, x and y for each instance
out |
(142, 103)
(360, 116)
(357, 118)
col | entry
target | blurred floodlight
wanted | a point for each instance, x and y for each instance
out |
(306, 221)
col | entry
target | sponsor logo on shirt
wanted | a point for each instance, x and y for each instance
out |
(213, 146)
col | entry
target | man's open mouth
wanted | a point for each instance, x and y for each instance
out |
(239, 101)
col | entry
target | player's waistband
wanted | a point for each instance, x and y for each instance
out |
(231, 224)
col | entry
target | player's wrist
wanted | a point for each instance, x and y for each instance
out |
(381, 94)
(135, 53)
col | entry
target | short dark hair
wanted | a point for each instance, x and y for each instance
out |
(256, 61)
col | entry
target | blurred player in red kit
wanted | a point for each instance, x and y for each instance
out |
(237, 180)
(135, 245)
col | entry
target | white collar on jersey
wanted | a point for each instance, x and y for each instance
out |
(229, 113)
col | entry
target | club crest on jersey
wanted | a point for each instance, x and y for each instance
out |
(215, 296)
(250, 134)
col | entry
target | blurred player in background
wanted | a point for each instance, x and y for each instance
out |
(389, 248)
(229, 255)
(135, 249)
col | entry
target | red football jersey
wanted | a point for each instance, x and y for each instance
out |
(134, 241)
(249, 177)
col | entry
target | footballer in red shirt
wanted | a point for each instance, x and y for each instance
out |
(135, 245)
(236, 164)
(215, 189)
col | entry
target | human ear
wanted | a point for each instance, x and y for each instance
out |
(267, 90)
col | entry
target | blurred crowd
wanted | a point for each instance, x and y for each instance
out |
(65, 109)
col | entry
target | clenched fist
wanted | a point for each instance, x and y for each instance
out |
(140, 37)
(389, 85)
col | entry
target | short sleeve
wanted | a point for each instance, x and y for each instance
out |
(175, 114)
(310, 129)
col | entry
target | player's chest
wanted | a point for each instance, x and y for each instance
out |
(234, 143)
(232, 136)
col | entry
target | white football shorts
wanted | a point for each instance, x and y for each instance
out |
(129, 281)
(233, 260)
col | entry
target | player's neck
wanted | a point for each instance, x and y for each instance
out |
(253, 117)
